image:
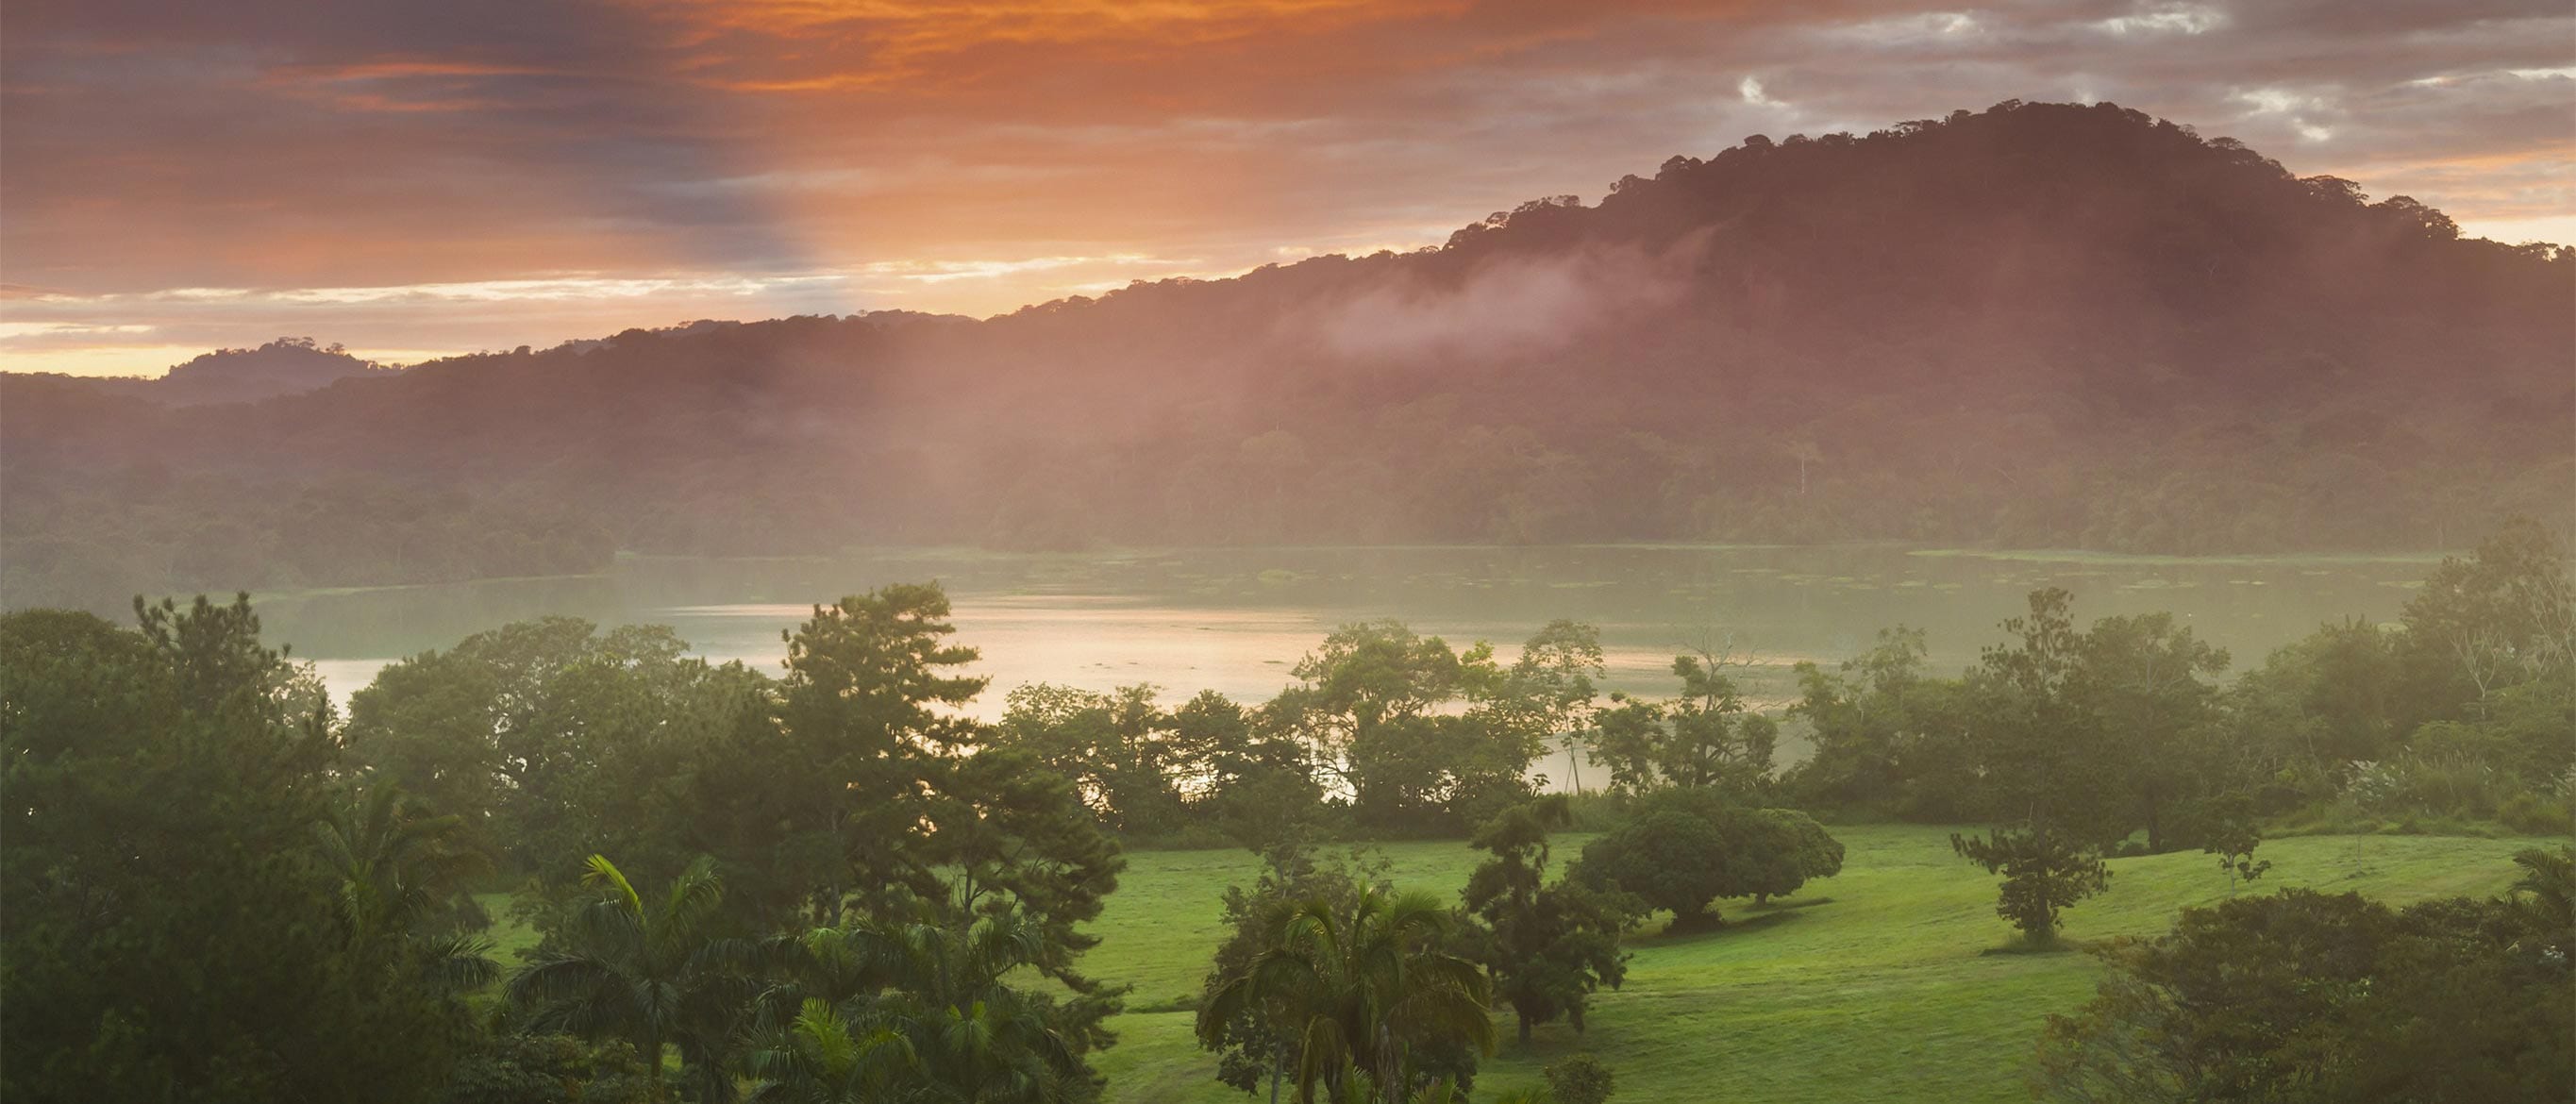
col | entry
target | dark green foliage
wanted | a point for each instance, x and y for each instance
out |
(829, 808)
(1128, 757)
(1015, 838)
(1546, 947)
(2307, 997)
(1260, 787)
(1579, 1079)
(1256, 1042)
(898, 1009)
(1684, 848)
(1885, 737)
(552, 740)
(1368, 993)
(1551, 689)
(651, 971)
(1372, 708)
(2146, 689)
(2461, 712)
(1794, 850)
(174, 930)
(2226, 827)
(2043, 759)
(1704, 737)
(546, 1069)
(2045, 870)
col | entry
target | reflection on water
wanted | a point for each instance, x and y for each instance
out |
(1235, 620)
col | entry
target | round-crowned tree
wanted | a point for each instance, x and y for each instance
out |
(1686, 848)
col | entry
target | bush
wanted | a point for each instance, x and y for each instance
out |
(2441, 783)
(1579, 1079)
(2533, 815)
(547, 1069)
(2304, 998)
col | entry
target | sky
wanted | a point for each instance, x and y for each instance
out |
(416, 178)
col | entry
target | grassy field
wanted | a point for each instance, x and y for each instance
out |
(1870, 986)
(1878, 985)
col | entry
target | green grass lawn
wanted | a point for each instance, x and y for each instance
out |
(1868, 986)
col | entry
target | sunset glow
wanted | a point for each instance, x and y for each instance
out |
(414, 180)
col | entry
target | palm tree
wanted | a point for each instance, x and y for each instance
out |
(651, 973)
(397, 869)
(1363, 993)
(886, 1011)
(2550, 878)
(821, 1058)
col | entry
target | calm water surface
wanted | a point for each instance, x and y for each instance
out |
(1235, 620)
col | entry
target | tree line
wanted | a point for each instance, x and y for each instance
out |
(829, 884)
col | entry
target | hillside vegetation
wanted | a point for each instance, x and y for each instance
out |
(2041, 325)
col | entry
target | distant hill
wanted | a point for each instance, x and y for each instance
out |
(2038, 325)
(286, 366)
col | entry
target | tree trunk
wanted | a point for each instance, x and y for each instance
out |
(1525, 1028)
(1278, 1062)
(653, 1068)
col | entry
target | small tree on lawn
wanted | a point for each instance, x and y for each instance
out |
(1685, 848)
(2045, 871)
(2232, 834)
(1546, 947)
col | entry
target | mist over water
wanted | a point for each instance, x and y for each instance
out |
(1237, 620)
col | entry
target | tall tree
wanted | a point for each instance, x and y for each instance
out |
(2146, 688)
(1129, 757)
(1553, 688)
(552, 739)
(1884, 735)
(1703, 737)
(1373, 706)
(1014, 837)
(172, 931)
(2502, 616)
(828, 807)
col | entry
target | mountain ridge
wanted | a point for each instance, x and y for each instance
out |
(2039, 324)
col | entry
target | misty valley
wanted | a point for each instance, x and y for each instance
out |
(2037, 603)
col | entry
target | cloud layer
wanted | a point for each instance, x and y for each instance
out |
(414, 177)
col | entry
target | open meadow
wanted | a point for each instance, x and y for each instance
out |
(1876, 985)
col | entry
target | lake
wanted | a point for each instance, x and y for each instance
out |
(1236, 619)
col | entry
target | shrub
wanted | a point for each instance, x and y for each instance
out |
(2304, 998)
(1579, 1079)
(2533, 815)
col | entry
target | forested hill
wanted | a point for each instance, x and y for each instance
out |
(286, 366)
(2039, 325)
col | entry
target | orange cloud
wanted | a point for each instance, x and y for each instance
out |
(974, 155)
